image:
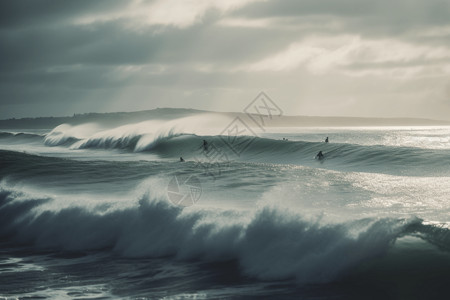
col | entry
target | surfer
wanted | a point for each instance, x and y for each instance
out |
(326, 140)
(205, 145)
(181, 159)
(320, 155)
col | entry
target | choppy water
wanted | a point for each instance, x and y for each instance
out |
(89, 212)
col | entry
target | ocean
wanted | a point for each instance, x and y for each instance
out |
(90, 211)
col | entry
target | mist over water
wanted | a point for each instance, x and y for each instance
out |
(95, 204)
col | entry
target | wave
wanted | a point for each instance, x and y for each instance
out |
(66, 135)
(184, 137)
(436, 233)
(342, 157)
(346, 157)
(24, 136)
(135, 137)
(268, 242)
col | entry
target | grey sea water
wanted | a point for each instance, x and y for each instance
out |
(89, 212)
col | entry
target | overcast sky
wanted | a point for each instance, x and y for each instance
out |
(312, 57)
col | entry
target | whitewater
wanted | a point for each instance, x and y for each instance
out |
(95, 211)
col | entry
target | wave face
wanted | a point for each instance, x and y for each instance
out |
(268, 243)
(135, 136)
(345, 157)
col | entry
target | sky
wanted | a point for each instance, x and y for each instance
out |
(384, 58)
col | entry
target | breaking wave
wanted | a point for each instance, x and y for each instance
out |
(184, 137)
(25, 136)
(268, 242)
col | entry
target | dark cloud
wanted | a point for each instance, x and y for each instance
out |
(112, 43)
(40, 13)
(65, 45)
(50, 57)
(385, 14)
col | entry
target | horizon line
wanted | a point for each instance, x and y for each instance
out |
(229, 112)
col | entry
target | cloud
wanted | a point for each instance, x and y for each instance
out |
(22, 14)
(139, 13)
(371, 16)
(216, 54)
(356, 55)
(242, 22)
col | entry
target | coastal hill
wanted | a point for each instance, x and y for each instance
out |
(121, 118)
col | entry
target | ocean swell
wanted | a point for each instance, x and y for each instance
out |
(268, 242)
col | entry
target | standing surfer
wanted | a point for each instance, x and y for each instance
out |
(320, 155)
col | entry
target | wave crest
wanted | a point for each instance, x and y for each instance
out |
(136, 137)
(268, 243)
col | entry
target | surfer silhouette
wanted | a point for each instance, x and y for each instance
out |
(326, 140)
(181, 159)
(205, 145)
(320, 155)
